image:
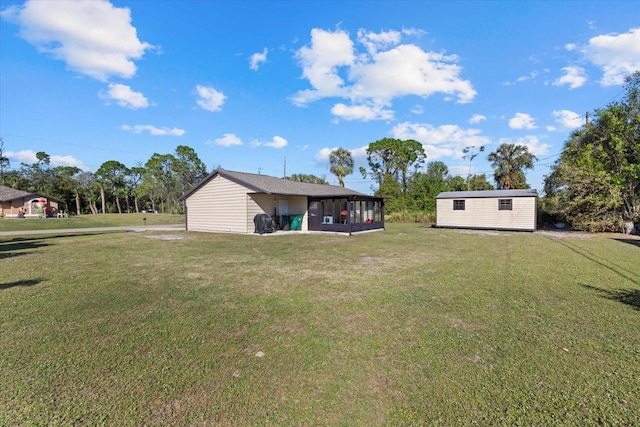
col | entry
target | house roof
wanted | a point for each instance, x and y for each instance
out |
(487, 194)
(8, 194)
(272, 185)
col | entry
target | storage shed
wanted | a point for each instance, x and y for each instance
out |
(489, 209)
(228, 201)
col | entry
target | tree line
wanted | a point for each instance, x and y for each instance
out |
(594, 185)
(113, 187)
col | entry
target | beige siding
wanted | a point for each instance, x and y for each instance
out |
(220, 205)
(224, 206)
(484, 213)
(268, 203)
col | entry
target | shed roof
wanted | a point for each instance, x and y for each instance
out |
(487, 194)
(272, 185)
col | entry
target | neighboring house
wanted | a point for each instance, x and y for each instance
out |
(13, 202)
(227, 201)
(490, 209)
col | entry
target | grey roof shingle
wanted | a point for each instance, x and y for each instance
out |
(272, 185)
(8, 194)
(487, 194)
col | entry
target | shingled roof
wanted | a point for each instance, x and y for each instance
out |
(272, 185)
(8, 194)
(486, 194)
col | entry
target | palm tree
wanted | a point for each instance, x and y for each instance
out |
(341, 164)
(509, 162)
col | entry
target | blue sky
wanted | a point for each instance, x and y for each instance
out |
(252, 85)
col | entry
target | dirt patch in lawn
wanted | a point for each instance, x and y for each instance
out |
(565, 234)
(166, 237)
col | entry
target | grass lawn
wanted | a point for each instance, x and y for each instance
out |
(89, 221)
(410, 326)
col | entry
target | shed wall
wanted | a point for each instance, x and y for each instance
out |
(484, 213)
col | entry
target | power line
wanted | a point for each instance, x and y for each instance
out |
(73, 144)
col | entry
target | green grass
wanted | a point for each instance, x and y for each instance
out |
(89, 221)
(410, 326)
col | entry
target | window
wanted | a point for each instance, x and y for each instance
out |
(505, 204)
(458, 205)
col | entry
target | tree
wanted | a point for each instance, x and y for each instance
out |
(134, 179)
(160, 180)
(509, 162)
(478, 183)
(471, 153)
(89, 190)
(65, 184)
(300, 177)
(341, 164)
(595, 184)
(4, 160)
(188, 167)
(389, 156)
(425, 186)
(111, 174)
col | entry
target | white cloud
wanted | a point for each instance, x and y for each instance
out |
(125, 97)
(618, 55)
(440, 141)
(93, 37)
(567, 119)
(276, 142)
(530, 76)
(522, 121)
(386, 70)
(319, 64)
(209, 98)
(477, 118)
(322, 156)
(573, 76)
(137, 129)
(417, 109)
(570, 46)
(361, 112)
(257, 58)
(359, 153)
(29, 157)
(376, 41)
(228, 140)
(534, 145)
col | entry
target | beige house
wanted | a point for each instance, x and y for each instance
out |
(490, 209)
(228, 201)
(14, 203)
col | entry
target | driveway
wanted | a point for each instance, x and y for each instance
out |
(173, 227)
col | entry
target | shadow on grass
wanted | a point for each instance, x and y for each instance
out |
(630, 241)
(8, 248)
(13, 249)
(28, 282)
(626, 296)
(22, 245)
(620, 271)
